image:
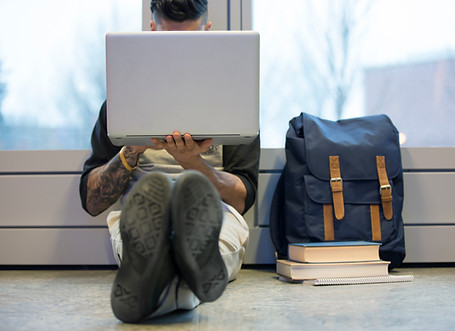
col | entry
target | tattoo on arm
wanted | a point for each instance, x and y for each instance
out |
(105, 185)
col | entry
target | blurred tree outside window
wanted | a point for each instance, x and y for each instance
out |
(349, 58)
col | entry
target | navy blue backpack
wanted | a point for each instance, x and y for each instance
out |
(343, 180)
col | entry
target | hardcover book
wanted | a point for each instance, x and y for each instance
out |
(303, 271)
(334, 251)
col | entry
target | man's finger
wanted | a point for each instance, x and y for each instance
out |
(189, 142)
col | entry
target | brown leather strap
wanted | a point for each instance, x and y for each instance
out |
(375, 223)
(385, 189)
(329, 233)
(336, 183)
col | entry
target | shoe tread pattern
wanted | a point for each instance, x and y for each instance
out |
(197, 232)
(144, 229)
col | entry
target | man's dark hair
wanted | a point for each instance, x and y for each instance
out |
(179, 10)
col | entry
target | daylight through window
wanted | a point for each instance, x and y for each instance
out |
(347, 58)
(52, 68)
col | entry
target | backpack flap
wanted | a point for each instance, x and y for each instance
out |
(356, 142)
(346, 153)
(367, 193)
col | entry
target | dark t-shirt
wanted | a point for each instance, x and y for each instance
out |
(239, 160)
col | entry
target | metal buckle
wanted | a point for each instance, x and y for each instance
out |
(385, 187)
(336, 179)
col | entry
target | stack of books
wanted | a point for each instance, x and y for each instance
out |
(336, 263)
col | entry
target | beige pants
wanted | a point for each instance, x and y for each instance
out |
(232, 243)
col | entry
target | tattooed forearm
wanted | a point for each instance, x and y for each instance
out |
(106, 184)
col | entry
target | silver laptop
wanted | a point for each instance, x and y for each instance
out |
(205, 83)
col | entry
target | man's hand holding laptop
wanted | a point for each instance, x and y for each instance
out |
(182, 148)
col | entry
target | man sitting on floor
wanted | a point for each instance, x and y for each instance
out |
(180, 236)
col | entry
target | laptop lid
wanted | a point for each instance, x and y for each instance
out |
(205, 83)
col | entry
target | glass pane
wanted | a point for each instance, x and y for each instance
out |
(347, 58)
(52, 68)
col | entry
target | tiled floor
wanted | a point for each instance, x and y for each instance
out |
(257, 300)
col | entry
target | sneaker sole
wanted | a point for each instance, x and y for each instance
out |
(197, 218)
(147, 266)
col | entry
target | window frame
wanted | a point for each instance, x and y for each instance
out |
(234, 15)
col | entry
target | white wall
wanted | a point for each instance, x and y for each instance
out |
(42, 221)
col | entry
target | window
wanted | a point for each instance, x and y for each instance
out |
(347, 58)
(52, 68)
